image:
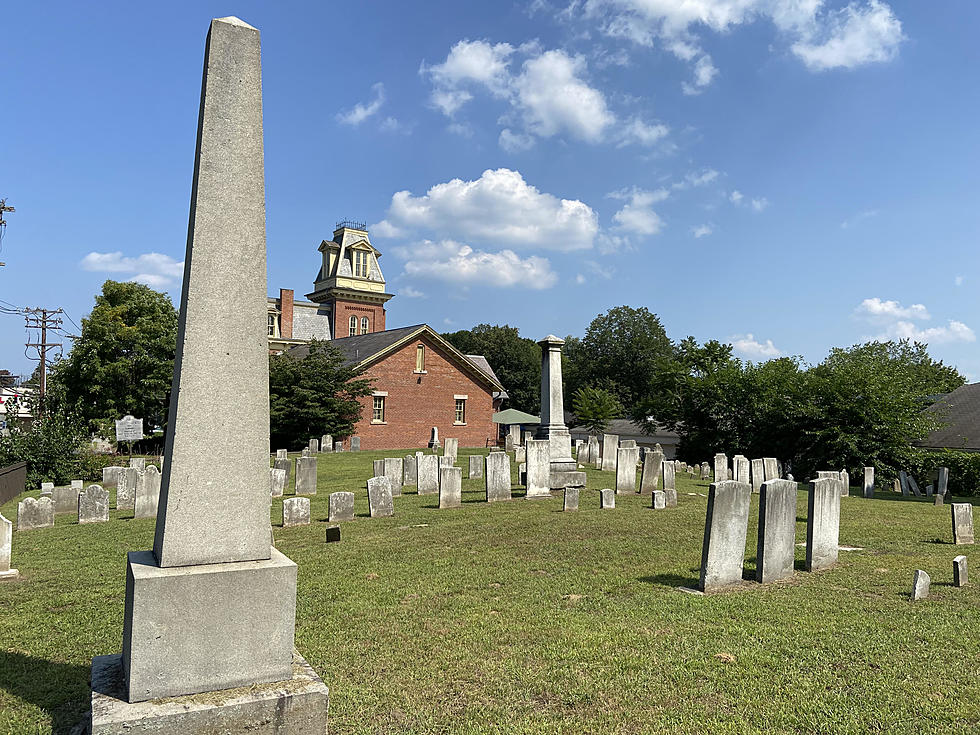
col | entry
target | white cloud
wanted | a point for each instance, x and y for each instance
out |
(514, 142)
(469, 63)
(637, 132)
(361, 111)
(748, 346)
(702, 178)
(455, 263)
(394, 125)
(851, 37)
(875, 308)
(464, 130)
(637, 216)
(958, 280)
(702, 231)
(735, 197)
(499, 208)
(704, 72)
(411, 293)
(580, 279)
(954, 331)
(759, 204)
(153, 269)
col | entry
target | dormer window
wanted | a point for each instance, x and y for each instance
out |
(361, 263)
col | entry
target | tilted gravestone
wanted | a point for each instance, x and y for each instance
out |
(571, 498)
(538, 468)
(341, 507)
(6, 547)
(450, 486)
(868, 487)
(610, 444)
(626, 459)
(380, 504)
(823, 523)
(607, 499)
(914, 487)
(295, 512)
(277, 482)
(903, 480)
(476, 466)
(306, 475)
(725, 526)
(942, 481)
(920, 585)
(394, 471)
(776, 544)
(758, 472)
(410, 471)
(498, 477)
(652, 467)
(93, 505)
(147, 493)
(428, 474)
(962, 514)
(35, 513)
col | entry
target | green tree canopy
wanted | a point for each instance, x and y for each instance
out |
(516, 361)
(123, 362)
(315, 395)
(595, 408)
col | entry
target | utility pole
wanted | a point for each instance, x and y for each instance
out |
(43, 319)
(3, 223)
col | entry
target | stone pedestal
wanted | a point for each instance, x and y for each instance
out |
(296, 706)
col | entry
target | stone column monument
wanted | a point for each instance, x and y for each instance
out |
(212, 606)
(552, 427)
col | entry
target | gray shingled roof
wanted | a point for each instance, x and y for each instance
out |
(481, 362)
(961, 412)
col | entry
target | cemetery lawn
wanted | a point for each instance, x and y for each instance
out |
(518, 618)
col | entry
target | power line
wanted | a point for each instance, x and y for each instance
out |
(43, 320)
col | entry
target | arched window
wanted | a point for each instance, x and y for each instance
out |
(365, 325)
(353, 326)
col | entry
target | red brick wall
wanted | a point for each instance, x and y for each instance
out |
(286, 313)
(344, 310)
(415, 403)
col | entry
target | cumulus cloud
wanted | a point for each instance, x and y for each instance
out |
(875, 308)
(736, 197)
(700, 178)
(858, 34)
(759, 204)
(637, 132)
(748, 346)
(500, 208)
(455, 263)
(702, 231)
(637, 216)
(411, 293)
(362, 111)
(153, 269)
(469, 63)
(896, 322)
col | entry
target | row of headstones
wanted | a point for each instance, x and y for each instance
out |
(326, 445)
(908, 487)
(921, 579)
(136, 490)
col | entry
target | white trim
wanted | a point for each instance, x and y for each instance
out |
(382, 393)
(461, 398)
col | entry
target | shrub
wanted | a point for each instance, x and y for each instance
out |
(964, 469)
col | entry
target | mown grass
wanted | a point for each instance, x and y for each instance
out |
(518, 618)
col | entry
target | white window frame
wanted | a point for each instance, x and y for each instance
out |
(459, 416)
(365, 325)
(379, 399)
(353, 325)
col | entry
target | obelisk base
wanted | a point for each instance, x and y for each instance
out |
(297, 706)
(206, 627)
(9, 575)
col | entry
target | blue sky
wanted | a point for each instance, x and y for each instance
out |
(787, 176)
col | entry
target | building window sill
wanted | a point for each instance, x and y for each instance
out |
(420, 372)
(378, 423)
(459, 423)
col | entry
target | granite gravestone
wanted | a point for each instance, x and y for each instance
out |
(35, 513)
(776, 544)
(341, 507)
(277, 482)
(962, 514)
(823, 523)
(725, 528)
(498, 477)
(450, 487)
(380, 504)
(626, 459)
(394, 470)
(93, 505)
(295, 512)
(306, 475)
(476, 466)
(652, 467)
(428, 474)
(6, 547)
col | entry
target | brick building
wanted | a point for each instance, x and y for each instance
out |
(420, 380)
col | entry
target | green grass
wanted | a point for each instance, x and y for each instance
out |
(518, 618)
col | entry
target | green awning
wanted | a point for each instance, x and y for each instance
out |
(513, 416)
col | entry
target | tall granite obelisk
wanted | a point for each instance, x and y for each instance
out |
(212, 607)
(552, 426)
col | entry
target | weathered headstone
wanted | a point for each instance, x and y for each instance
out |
(306, 475)
(538, 468)
(960, 573)
(522, 473)
(626, 459)
(770, 469)
(520, 454)
(659, 500)
(823, 523)
(379, 467)
(282, 454)
(721, 467)
(35, 513)
(928, 491)
(428, 474)
(305, 452)
(593, 451)
(581, 451)
(652, 467)
(670, 483)
(571, 498)
(286, 465)
(498, 477)
(476, 466)
(340, 507)
(138, 462)
(410, 471)
(920, 585)
(845, 483)
(295, 512)
(627, 443)
(607, 498)
(962, 514)
(338, 446)
(277, 482)
(942, 482)
(776, 543)
(126, 490)
(705, 471)
(65, 500)
(314, 445)
(869, 482)
(757, 474)
(110, 476)
(914, 487)
(450, 487)
(380, 504)
(394, 470)
(6, 547)
(610, 445)
(326, 443)
(147, 493)
(93, 505)
(741, 468)
(355, 443)
(451, 449)
(434, 438)
(903, 480)
(725, 526)
(47, 488)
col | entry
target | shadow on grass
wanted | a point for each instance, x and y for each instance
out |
(672, 580)
(46, 684)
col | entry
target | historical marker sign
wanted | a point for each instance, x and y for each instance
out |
(129, 429)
